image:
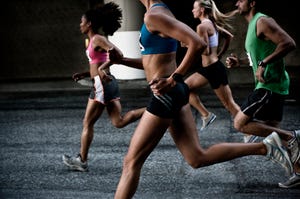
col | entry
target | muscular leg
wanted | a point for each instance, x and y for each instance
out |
(92, 113)
(196, 81)
(114, 110)
(225, 96)
(195, 101)
(243, 124)
(145, 138)
(186, 138)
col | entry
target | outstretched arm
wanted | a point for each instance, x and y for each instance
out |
(117, 58)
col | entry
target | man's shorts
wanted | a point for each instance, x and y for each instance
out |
(264, 105)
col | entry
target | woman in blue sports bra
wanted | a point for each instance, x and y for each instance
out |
(212, 71)
(168, 108)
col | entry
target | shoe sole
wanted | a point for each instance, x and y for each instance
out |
(209, 122)
(288, 187)
(73, 167)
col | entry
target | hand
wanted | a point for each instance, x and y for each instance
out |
(77, 76)
(260, 74)
(159, 86)
(104, 76)
(232, 61)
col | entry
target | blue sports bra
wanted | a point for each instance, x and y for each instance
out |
(154, 44)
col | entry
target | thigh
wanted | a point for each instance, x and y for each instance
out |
(224, 94)
(111, 90)
(272, 111)
(185, 135)
(241, 119)
(114, 109)
(147, 135)
(93, 110)
(255, 103)
(195, 81)
(216, 74)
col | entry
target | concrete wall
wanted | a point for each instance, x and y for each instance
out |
(41, 38)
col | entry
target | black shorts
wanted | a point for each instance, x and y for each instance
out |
(264, 105)
(215, 74)
(169, 104)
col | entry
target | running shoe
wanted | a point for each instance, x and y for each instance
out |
(207, 120)
(75, 163)
(250, 138)
(293, 146)
(277, 152)
(292, 182)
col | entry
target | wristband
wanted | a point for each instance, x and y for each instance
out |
(261, 63)
(177, 77)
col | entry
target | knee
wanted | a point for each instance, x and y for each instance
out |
(195, 164)
(237, 125)
(131, 165)
(86, 122)
(117, 123)
(198, 162)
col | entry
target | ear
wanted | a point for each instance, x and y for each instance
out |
(202, 9)
(252, 4)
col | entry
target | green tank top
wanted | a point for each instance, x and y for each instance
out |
(276, 76)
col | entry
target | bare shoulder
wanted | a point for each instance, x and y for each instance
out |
(98, 38)
(266, 21)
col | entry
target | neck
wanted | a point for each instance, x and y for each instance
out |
(90, 34)
(250, 15)
(203, 18)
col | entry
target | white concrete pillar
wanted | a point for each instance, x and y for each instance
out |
(127, 37)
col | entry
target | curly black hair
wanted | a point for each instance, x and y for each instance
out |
(108, 17)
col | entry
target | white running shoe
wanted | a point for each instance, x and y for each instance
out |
(292, 182)
(250, 138)
(207, 120)
(75, 163)
(277, 152)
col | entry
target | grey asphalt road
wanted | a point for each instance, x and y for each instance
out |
(38, 127)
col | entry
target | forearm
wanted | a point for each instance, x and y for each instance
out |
(281, 51)
(105, 65)
(243, 61)
(132, 62)
(191, 57)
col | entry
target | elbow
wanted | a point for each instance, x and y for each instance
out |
(201, 46)
(291, 45)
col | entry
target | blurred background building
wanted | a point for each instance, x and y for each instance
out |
(40, 39)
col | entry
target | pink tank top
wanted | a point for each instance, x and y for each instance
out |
(95, 57)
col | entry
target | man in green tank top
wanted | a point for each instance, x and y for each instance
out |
(266, 45)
